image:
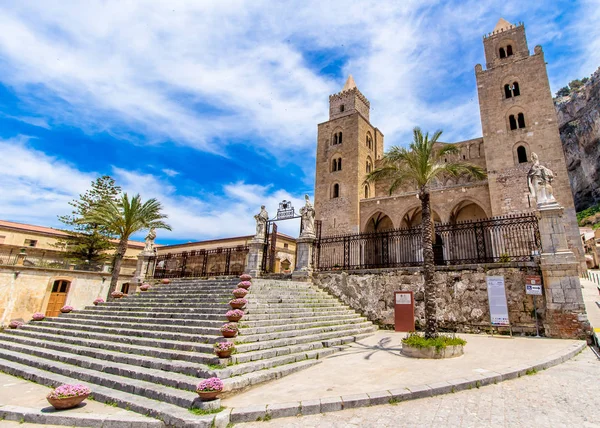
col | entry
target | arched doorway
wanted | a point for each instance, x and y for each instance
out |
(467, 244)
(58, 297)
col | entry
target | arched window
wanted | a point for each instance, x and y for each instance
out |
(335, 139)
(368, 167)
(502, 53)
(509, 51)
(335, 192)
(336, 165)
(522, 154)
(507, 91)
(521, 120)
(339, 162)
(512, 121)
(340, 138)
(369, 142)
(366, 191)
(342, 108)
(515, 89)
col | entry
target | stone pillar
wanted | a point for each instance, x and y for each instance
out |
(565, 310)
(255, 258)
(144, 267)
(304, 260)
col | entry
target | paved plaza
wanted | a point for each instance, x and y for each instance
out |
(566, 395)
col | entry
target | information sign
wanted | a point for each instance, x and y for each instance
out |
(534, 290)
(497, 300)
(404, 311)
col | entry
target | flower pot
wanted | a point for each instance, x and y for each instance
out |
(65, 311)
(165, 281)
(229, 333)
(237, 305)
(245, 277)
(239, 294)
(66, 403)
(208, 395)
(244, 284)
(234, 318)
(224, 354)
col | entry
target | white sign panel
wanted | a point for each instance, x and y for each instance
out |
(497, 300)
(403, 299)
(535, 290)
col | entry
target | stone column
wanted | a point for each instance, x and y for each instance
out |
(304, 260)
(144, 267)
(255, 258)
(565, 310)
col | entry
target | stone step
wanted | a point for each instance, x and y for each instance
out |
(297, 326)
(169, 332)
(298, 332)
(243, 346)
(248, 321)
(189, 315)
(147, 389)
(22, 336)
(140, 303)
(190, 368)
(157, 343)
(170, 414)
(192, 310)
(266, 315)
(240, 382)
(77, 315)
(276, 310)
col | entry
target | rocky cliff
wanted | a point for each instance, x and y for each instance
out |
(579, 123)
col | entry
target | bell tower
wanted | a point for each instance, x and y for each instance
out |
(347, 148)
(518, 118)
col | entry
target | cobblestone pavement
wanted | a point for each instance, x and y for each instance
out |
(567, 395)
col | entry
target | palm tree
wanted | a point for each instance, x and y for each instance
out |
(124, 217)
(419, 166)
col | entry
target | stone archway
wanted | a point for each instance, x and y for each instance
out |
(378, 222)
(467, 210)
(412, 218)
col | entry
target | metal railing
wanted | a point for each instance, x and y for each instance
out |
(201, 263)
(499, 239)
(45, 259)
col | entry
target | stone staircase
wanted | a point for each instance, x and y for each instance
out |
(147, 352)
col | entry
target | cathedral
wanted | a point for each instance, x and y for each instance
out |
(518, 119)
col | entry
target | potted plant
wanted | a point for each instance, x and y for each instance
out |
(244, 284)
(210, 388)
(224, 349)
(229, 329)
(16, 324)
(66, 309)
(416, 346)
(245, 277)
(165, 281)
(117, 294)
(38, 316)
(240, 292)
(144, 287)
(98, 300)
(234, 315)
(237, 303)
(67, 396)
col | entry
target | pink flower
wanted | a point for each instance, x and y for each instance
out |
(15, 324)
(244, 284)
(213, 384)
(38, 316)
(66, 391)
(240, 292)
(67, 308)
(98, 300)
(235, 313)
(224, 346)
(229, 327)
(245, 277)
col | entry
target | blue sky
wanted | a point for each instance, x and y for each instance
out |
(212, 106)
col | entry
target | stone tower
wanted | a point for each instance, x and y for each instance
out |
(347, 148)
(518, 118)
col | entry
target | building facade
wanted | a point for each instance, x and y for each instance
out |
(518, 118)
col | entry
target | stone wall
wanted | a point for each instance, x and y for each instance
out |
(25, 290)
(462, 295)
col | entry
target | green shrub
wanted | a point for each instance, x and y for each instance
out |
(439, 342)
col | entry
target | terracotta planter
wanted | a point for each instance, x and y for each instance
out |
(245, 277)
(65, 312)
(239, 294)
(118, 296)
(208, 396)
(229, 333)
(237, 305)
(66, 403)
(165, 281)
(234, 319)
(224, 354)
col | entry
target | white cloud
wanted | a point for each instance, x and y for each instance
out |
(170, 172)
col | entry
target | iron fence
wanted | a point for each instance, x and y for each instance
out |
(46, 260)
(200, 263)
(498, 239)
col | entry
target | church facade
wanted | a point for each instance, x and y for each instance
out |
(518, 118)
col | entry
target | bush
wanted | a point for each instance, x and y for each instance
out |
(563, 92)
(439, 342)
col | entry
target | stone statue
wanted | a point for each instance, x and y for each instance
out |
(539, 179)
(150, 237)
(308, 219)
(261, 223)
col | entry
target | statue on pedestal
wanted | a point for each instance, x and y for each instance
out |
(261, 223)
(539, 179)
(308, 219)
(150, 237)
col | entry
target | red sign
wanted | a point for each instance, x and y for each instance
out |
(404, 311)
(533, 280)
